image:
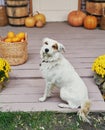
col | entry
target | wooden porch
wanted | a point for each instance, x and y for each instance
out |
(27, 85)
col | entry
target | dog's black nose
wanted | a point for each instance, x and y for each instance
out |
(46, 50)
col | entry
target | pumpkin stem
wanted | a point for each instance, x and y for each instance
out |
(37, 12)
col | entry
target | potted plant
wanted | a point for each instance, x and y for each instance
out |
(4, 71)
(99, 73)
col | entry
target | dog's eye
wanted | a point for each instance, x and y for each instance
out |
(55, 47)
(46, 43)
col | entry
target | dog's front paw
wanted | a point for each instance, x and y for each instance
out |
(42, 99)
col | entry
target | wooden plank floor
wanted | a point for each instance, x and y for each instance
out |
(26, 85)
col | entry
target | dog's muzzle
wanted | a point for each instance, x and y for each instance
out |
(46, 50)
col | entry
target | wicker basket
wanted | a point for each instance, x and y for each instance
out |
(95, 8)
(15, 53)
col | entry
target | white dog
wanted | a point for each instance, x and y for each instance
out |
(57, 71)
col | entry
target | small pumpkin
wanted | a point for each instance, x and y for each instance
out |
(39, 24)
(90, 22)
(40, 17)
(30, 21)
(76, 17)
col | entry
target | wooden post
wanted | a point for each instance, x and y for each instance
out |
(79, 4)
(30, 7)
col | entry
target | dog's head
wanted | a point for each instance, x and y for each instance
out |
(50, 48)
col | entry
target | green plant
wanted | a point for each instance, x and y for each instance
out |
(49, 121)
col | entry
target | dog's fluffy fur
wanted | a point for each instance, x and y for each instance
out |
(57, 71)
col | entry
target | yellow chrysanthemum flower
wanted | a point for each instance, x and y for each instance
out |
(99, 65)
(4, 70)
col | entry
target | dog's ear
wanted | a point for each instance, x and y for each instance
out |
(61, 47)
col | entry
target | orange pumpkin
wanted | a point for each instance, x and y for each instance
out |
(76, 17)
(30, 21)
(40, 17)
(90, 22)
(39, 24)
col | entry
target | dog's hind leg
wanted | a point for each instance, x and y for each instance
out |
(69, 98)
(63, 105)
(69, 105)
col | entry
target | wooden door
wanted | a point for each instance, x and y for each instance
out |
(55, 10)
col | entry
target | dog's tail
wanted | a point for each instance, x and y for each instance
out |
(83, 112)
